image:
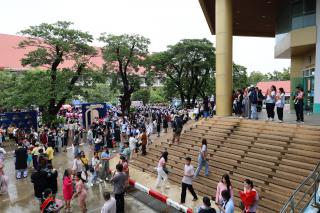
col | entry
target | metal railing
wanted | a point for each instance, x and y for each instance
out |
(305, 194)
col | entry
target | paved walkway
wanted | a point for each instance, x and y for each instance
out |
(20, 197)
(290, 117)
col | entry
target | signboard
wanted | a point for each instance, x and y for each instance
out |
(19, 119)
(90, 109)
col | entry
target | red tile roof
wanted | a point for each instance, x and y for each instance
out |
(11, 55)
(266, 85)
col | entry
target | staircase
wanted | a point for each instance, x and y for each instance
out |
(277, 157)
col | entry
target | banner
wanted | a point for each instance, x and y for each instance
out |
(19, 119)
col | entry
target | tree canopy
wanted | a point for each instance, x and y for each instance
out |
(125, 55)
(55, 44)
(188, 65)
(257, 76)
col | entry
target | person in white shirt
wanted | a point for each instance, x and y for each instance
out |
(202, 159)
(110, 205)
(132, 144)
(149, 132)
(161, 169)
(187, 181)
(2, 154)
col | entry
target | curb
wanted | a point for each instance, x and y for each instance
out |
(159, 196)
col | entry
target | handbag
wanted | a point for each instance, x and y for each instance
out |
(166, 170)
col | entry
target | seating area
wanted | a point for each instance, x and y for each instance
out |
(277, 157)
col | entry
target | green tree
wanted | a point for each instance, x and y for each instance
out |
(55, 44)
(255, 77)
(188, 66)
(286, 74)
(101, 92)
(141, 95)
(157, 95)
(240, 79)
(279, 76)
(31, 88)
(125, 54)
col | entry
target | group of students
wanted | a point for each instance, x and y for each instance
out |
(248, 101)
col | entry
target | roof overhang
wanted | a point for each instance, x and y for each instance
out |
(250, 17)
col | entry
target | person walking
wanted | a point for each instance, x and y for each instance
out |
(280, 104)
(270, 102)
(187, 181)
(202, 159)
(105, 170)
(81, 192)
(298, 104)
(158, 124)
(162, 170)
(96, 168)
(52, 178)
(119, 180)
(109, 205)
(76, 143)
(4, 180)
(21, 161)
(177, 129)
(77, 165)
(144, 142)
(90, 138)
(67, 189)
(49, 151)
(2, 154)
(165, 122)
(132, 144)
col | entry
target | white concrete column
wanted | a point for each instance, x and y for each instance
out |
(316, 107)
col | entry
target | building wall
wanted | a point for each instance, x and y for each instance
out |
(298, 65)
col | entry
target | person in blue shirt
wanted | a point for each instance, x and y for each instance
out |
(105, 170)
(228, 205)
(126, 151)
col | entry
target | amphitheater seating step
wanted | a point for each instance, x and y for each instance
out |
(277, 157)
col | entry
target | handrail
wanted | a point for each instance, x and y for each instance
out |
(292, 204)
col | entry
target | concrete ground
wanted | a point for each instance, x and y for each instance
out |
(289, 116)
(21, 194)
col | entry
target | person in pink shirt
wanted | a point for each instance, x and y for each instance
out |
(224, 184)
(162, 171)
(81, 192)
(67, 189)
(4, 180)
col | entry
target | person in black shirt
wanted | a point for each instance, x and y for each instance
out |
(177, 129)
(21, 165)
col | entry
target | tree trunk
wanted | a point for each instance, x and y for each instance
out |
(188, 102)
(193, 101)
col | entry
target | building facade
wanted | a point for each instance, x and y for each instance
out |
(295, 25)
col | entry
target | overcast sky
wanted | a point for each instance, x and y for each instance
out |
(163, 21)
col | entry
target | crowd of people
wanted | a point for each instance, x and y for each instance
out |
(127, 135)
(36, 151)
(247, 102)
